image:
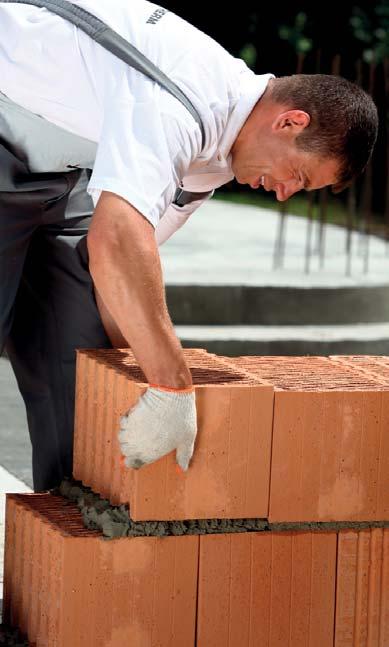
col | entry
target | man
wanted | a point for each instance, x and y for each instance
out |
(68, 106)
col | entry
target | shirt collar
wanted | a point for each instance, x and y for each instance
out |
(252, 89)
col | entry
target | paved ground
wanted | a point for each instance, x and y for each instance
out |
(223, 243)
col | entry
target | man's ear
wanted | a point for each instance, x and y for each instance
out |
(293, 121)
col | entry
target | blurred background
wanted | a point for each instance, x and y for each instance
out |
(347, 38)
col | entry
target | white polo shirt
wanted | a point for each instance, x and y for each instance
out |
(148, 142)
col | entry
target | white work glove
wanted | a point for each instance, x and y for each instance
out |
(162, 420)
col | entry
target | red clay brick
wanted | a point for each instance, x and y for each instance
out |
(362, 593)
(267, 590)
(229, 474)
(330, 452)
(376, 366)
(139, 591)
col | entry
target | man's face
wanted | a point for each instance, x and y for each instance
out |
(271, 159)
(285, 171)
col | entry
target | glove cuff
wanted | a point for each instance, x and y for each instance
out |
(185, 389)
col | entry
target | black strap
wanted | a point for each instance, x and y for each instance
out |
(117, 45)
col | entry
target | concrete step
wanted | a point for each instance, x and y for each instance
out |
(279, 305)
(361, 339)
(219, 269)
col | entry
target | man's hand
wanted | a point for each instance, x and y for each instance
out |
(162, 420)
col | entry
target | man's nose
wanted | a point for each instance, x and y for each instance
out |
(284, 191)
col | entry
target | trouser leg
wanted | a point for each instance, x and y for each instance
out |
(55, 313)
(17, 224)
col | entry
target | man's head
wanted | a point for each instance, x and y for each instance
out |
(307, 131)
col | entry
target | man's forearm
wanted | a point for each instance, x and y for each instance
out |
(125, 267)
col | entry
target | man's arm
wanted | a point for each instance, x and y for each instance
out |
(125, 267)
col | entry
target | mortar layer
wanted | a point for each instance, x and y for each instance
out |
(115, 521)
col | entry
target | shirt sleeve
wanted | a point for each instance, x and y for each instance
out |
(145, 147)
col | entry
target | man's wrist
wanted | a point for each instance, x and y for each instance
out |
(170, 389)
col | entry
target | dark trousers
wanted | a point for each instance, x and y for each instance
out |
(47, 303)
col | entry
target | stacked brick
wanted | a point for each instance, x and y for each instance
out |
(230, 472)
(286, 439)
(330, 438)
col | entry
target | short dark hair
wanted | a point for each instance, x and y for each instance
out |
(344, 120)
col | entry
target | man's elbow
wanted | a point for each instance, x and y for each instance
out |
(117, 224)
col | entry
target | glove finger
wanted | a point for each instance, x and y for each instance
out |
(135, 463)
(184, 454)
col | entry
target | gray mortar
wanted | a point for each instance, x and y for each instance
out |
(115, 521)
(11, 638)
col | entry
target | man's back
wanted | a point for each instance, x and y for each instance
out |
(55, 70)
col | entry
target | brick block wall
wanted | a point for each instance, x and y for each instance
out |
(66, 586)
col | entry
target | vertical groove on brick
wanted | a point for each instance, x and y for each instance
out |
(122, 406)
(44, 607)
(361, 590)
(104, 592)
(370, 453)
(383, 465)
(26, 575)
(105, 476)
(128, 477)
(214, 591)
(346, 589)
(184, 591)
(72, 602)
(17, 568)
(86, 590)
(374, 584)
(384, 619)
(85, 429)
(288, 427)
(80, 414)
(55, 584)
(9, 558)
(35, 577)
(281, 575)
(323, 587)
(259, 452)
(91, 418)
(112, 430)
(100, 408)
(249, 495)
(101, 430)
